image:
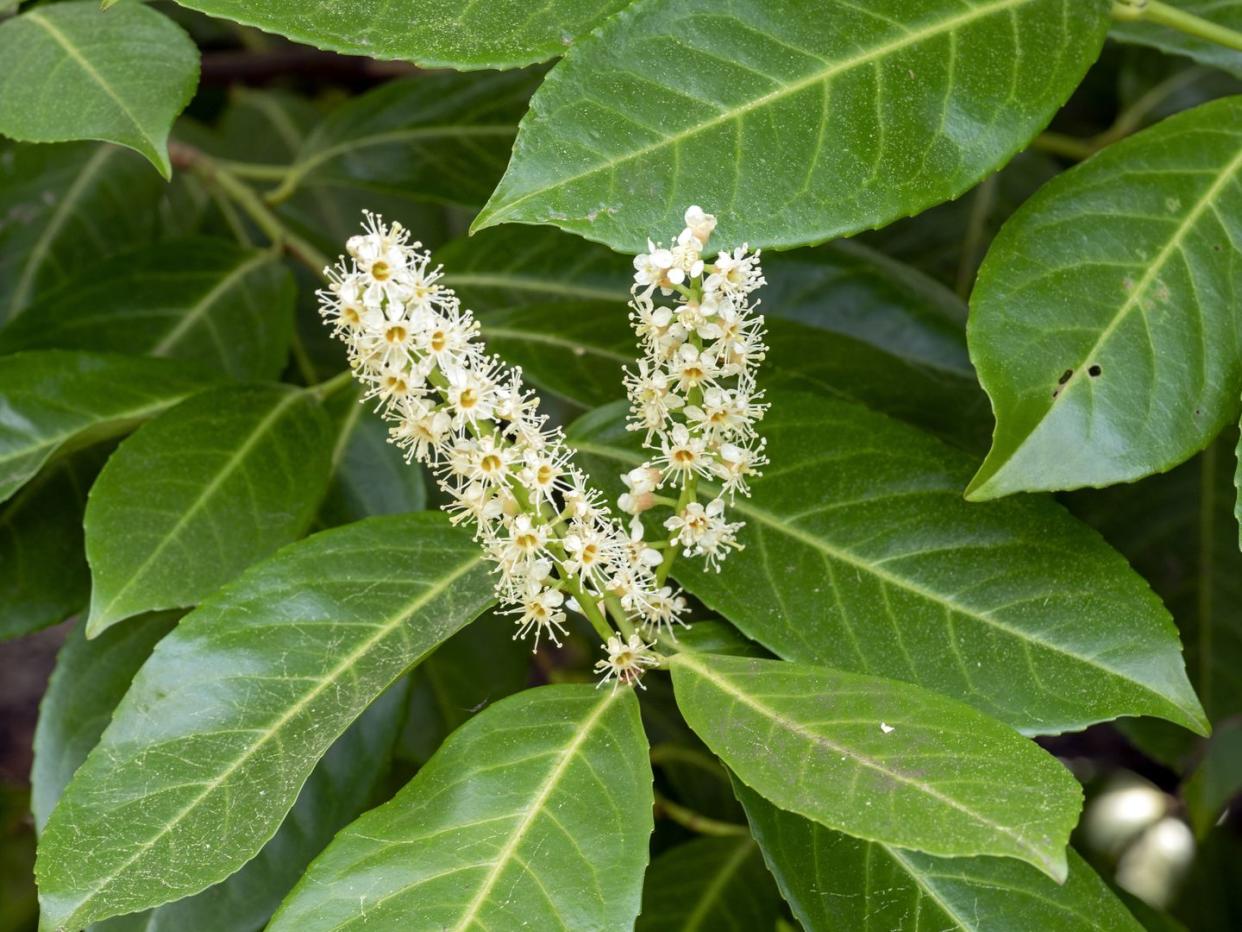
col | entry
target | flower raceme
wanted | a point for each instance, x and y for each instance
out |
(694, 393)
(466, 415)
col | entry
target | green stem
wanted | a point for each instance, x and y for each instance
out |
(1060, 144)
(694, 821)
(252, 205)
(329, 387)
(1162, 14)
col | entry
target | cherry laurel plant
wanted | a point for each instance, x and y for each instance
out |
(757, 464)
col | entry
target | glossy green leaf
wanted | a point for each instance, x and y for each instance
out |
(469, 672)
(535, 813)
(433, 33)
(234, 708)
(793, 123)
(1178, 531)
(861, 554)
(369, 475)
(43, 573)
(202, 300)
(69, 71)
(833, 881)
(443, 137)
(89, 680)
(226, 478)
(709, 885)
(880, 759)
(1227, 13)
(64, 207)
(51, 399)
(1103, 322)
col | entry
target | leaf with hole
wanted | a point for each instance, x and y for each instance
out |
(880, 759)
(1104, 320)
(53, 400)
(226, 478)
(70, 71)
(235, 707)
(833, 881)
(861, 554)
(65, 207)
(536, 812)
(794, 123)
(202, 300)
(442, 137)
(433, 33)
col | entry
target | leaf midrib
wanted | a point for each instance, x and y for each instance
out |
(191, 511)
(1136, 294)
(722, 682)
(712, 892)
(389, 624)
(536, 807)
(909, 38)
(84, 63)
(746, 507)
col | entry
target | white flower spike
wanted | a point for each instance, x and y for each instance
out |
(473, 423)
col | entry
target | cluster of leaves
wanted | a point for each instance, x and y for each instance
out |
(848, 727)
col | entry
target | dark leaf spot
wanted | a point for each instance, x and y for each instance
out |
(1094, 372)
(1065, 376)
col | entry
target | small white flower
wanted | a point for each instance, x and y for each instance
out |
(540, 611)
(627, 661)
(699, 225)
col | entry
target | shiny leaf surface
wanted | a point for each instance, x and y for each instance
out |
(861, 554)
(433, 33)
(227, 477)
(794, 123)
(70, 71)
(536, 812)
(833, 881)
(880, 759)
(1104, 320)
(235, 707)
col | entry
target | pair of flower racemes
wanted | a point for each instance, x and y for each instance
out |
(555, 543)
